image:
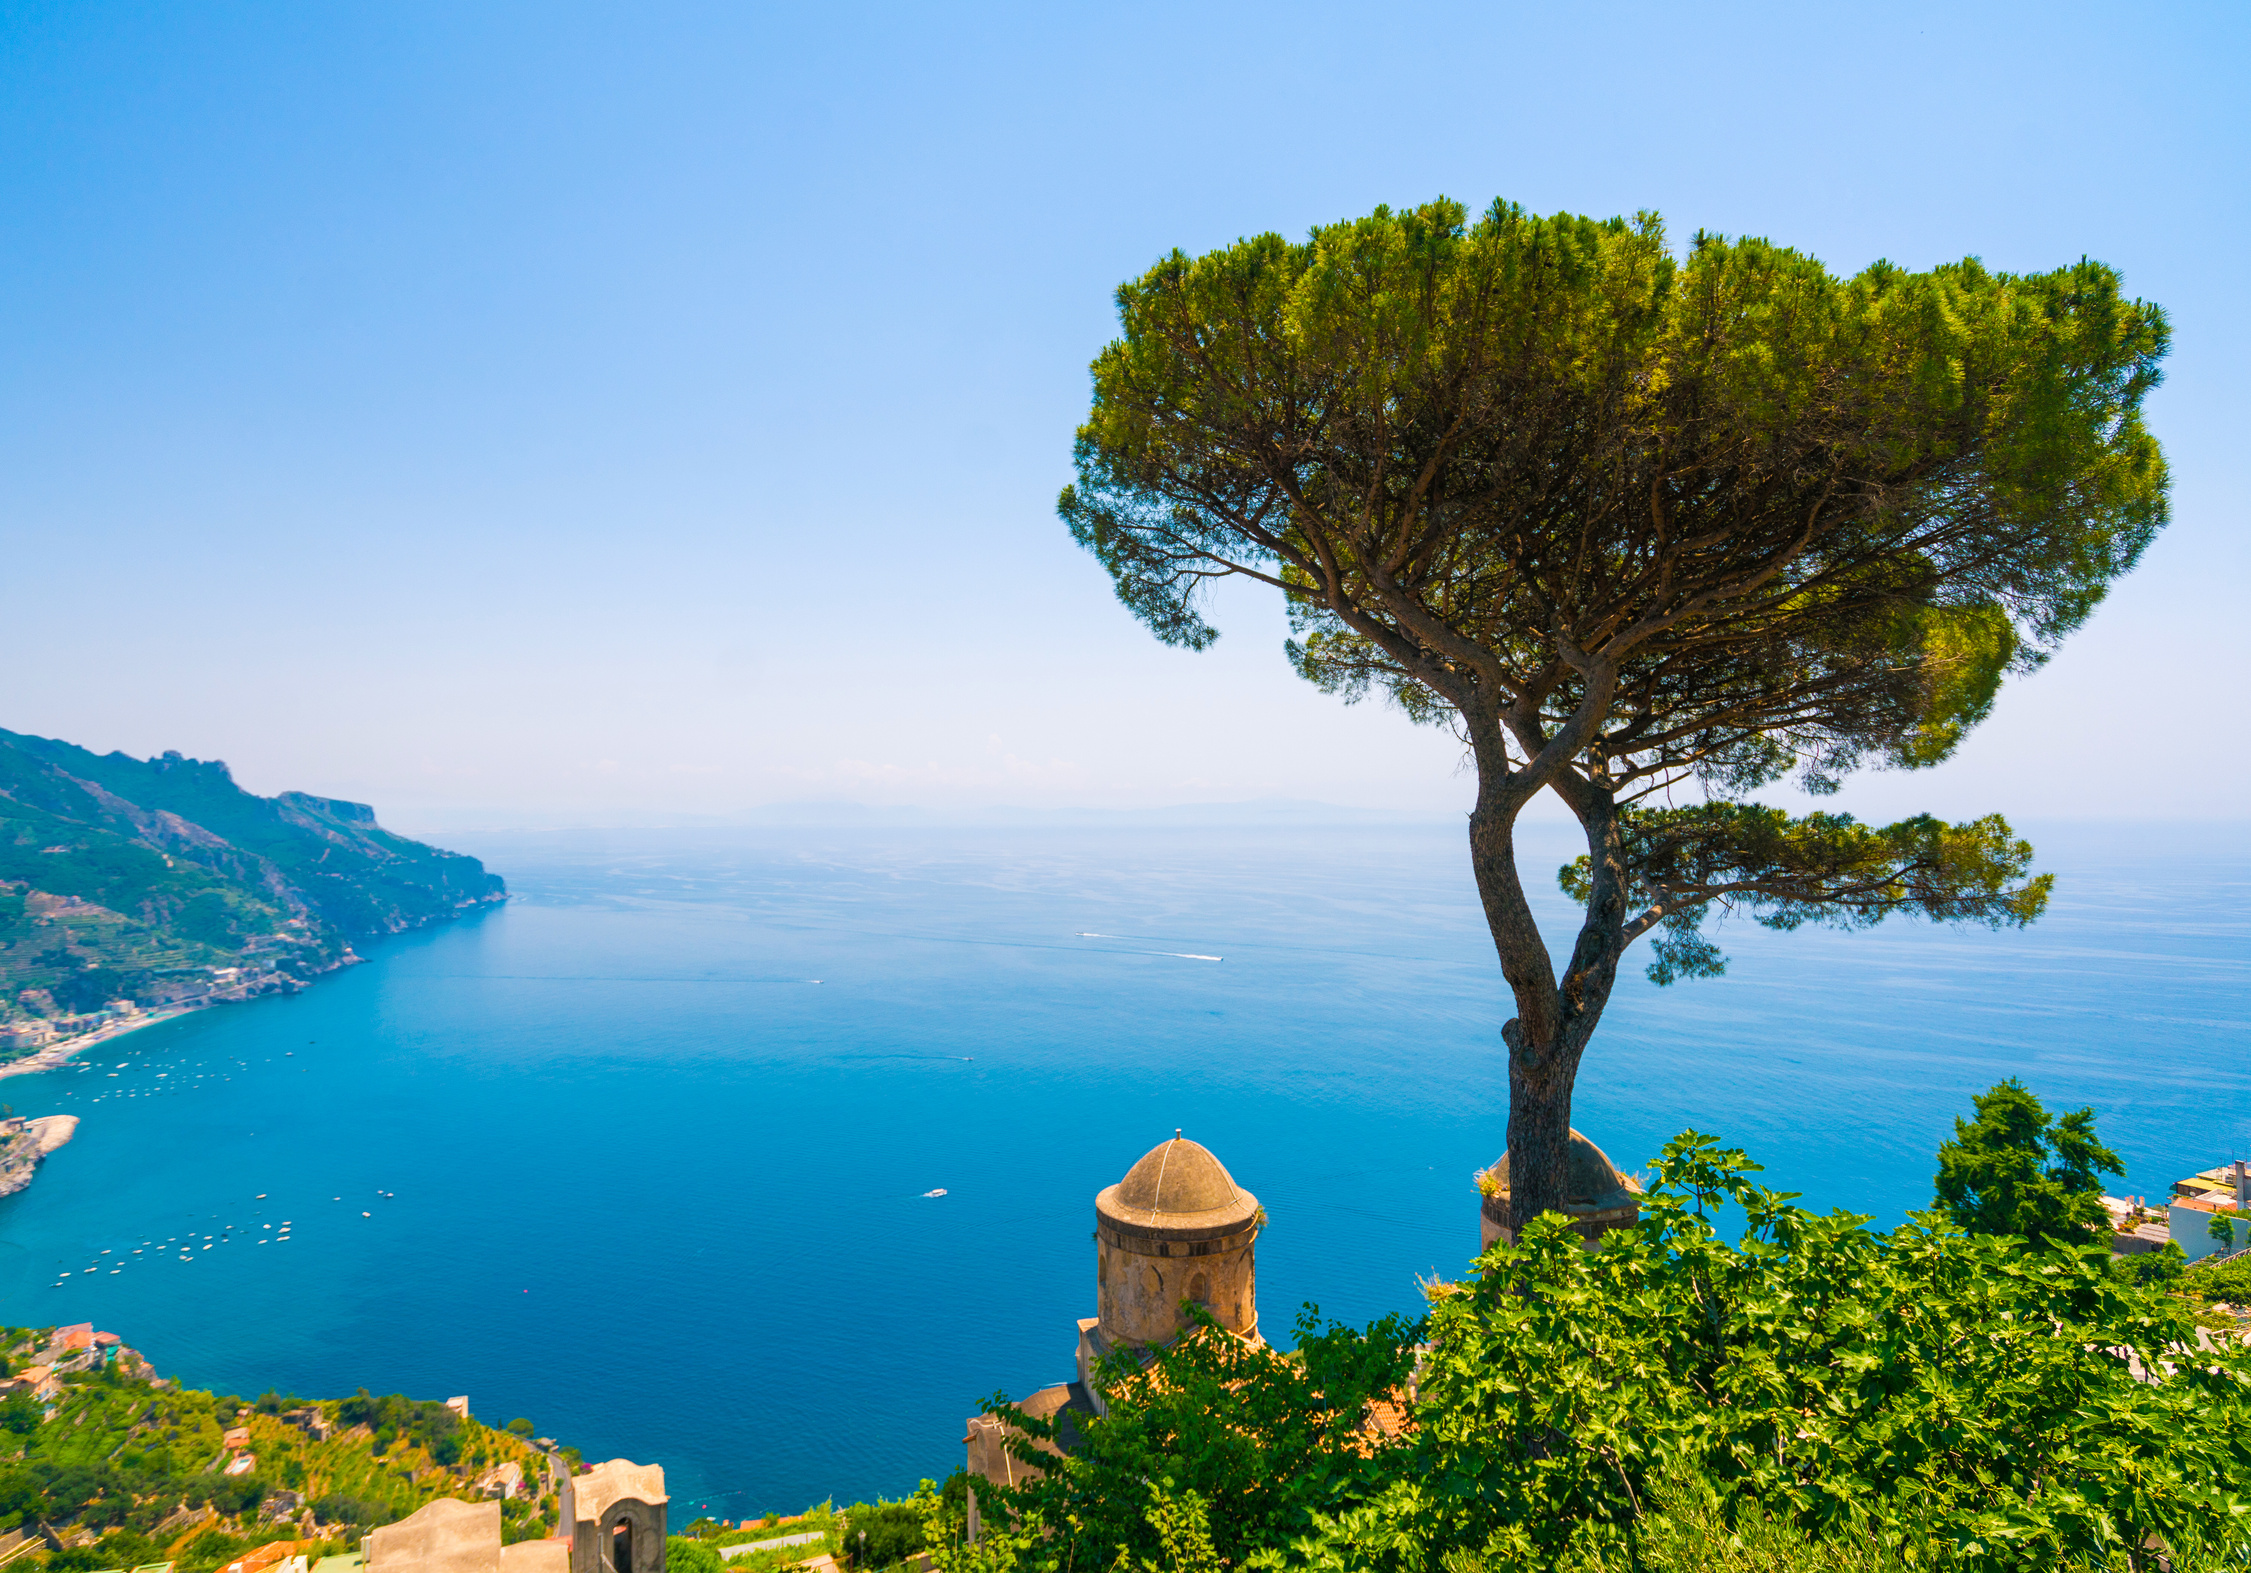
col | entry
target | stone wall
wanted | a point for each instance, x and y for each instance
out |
(445, 1536)
(1141, 1278)
(617, 1507)
(1589, 1223)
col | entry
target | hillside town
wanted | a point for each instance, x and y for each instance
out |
(49, 1035)
(359, 1485)
(388, 1484)
(2208, 1213)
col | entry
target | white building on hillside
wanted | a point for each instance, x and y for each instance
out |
(2200, 1198)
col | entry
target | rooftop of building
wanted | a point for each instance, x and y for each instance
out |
(1592, 1180)
(1177, 1185)
(619, 1480)
(2220, 1177)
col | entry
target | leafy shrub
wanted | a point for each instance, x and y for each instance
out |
(102, 1512)
(683, 1555)
(525, 1524)
(1278, 1438)
(126, 1548)
(879, 1534)
(1953, 1399)
(2152, 1269)
(777, 1560)
(2230, 1281)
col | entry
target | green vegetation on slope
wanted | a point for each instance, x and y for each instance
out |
(141, 878)
(697, 1548)
(124, 1472)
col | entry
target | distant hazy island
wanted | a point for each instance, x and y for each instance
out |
(131, 889)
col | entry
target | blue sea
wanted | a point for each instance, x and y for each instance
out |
(643, 1156)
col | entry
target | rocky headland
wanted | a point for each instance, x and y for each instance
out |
(132, 887)
(25, 1144)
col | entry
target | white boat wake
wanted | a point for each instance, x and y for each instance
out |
(1177, 955)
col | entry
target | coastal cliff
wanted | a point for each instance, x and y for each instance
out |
(162, 882)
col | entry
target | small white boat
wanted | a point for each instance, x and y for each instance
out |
(940, 1191)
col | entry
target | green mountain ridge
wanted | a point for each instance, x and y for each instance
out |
(162, 881)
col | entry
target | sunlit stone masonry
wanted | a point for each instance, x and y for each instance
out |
(1176, 1228)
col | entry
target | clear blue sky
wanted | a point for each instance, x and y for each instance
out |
(595, 413)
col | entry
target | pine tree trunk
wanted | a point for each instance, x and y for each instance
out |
(1554, 1018)
(1539, 1136)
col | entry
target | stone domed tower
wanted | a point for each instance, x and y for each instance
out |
(1597, 1197)
(1177, 1227)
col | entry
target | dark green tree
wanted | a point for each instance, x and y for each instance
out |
(1634, 524)
(2152, 1269)
(2016, 1169)
(880, 1534)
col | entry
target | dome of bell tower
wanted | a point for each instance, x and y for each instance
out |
(1177, 1229)
(1178, 1189)
(1598, 1197)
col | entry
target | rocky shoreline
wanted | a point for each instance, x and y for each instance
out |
(25, 1144)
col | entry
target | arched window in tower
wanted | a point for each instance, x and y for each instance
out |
(1199, 1290)
(621, 1547)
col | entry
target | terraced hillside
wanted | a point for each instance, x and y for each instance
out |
(110, 1468)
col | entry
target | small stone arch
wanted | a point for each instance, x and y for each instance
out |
(616, 1517)
(629, 1539)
